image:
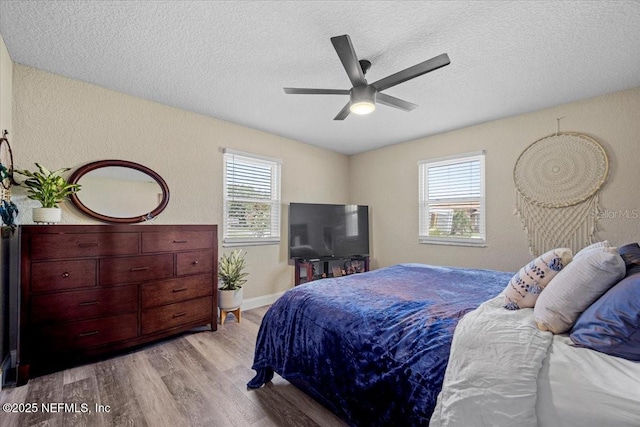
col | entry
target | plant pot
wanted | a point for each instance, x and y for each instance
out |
(229, 300)
(47, 215)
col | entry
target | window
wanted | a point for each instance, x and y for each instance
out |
(351, 220)
(452, 208)
(251, 199)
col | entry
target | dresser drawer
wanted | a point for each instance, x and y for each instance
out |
(80, 305)
(194, 262)
(87, 333)
(115, 271)
(169, 316)
(56, 246)
(176, 241)
(175, 290)
(59, 275)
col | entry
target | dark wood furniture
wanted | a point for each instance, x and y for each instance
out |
(326, 265)
(89, 290)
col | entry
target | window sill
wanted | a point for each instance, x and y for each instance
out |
(236, 243)
(452, 242)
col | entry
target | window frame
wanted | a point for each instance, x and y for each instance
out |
(274, 235)
(424, 202)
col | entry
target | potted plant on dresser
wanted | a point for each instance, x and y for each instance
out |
(232, 277)
(49, 188)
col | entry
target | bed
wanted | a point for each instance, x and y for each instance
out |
(372, 347)
(503, 371)
(379, 349)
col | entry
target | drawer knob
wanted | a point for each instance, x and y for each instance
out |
(139, 268)
(66, 274)
(88, 334)
(179, 241)
(195, 262)
(182, 313)
(179, 290)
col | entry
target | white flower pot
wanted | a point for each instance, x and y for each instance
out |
(229, 300)
(47, 215)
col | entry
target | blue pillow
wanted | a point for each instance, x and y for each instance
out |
(611, 325)
(631, 255)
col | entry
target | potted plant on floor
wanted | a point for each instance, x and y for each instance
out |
(49, 188)
(232, 277)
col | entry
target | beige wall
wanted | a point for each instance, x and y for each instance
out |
(8, 296)
(387, 180)
(61, 122)
(6, 89)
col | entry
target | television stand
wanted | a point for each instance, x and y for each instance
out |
(307, 270)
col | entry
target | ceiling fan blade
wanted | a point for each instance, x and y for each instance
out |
(344, 112)
(412, 72)
(392, 101)
(347, 55)
(305, 91)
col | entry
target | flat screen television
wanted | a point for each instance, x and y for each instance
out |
(320, 231)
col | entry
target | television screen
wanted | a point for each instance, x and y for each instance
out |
(323, 231)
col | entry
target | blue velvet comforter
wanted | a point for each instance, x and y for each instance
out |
(372, 347)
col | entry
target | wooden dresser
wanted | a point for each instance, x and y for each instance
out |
(88, 290)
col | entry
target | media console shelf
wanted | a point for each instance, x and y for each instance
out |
(314, 269)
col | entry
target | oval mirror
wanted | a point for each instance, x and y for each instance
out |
(119, 191)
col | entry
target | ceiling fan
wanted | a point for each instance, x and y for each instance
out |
(363, 96)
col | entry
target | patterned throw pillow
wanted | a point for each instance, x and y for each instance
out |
(525, 286)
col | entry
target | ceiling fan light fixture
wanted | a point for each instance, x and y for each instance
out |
(363, 99)
(362, 108)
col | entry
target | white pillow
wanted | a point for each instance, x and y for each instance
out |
(525, 286)
(576, 287)
(596, 245)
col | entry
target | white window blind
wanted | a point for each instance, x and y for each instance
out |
(452, 200)
(251, 199)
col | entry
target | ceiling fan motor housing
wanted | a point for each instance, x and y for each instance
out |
(363, 99)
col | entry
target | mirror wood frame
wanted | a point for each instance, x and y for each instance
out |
(83, 170)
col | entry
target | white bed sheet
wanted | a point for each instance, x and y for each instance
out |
(491, 377)
(503, 371)
(582, 387)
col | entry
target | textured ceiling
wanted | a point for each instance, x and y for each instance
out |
(230, 60)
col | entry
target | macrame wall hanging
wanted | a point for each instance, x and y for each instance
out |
(6, 167)
(8, 209)
(557, 180)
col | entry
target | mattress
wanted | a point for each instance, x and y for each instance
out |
(582, 387)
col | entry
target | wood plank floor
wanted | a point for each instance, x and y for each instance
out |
(196, 379)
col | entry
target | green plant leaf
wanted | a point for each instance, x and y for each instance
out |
(230, 270)
(49, 188)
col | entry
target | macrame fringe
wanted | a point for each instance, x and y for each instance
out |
(547, 228)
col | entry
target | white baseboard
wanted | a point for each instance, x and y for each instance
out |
(249, 303)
